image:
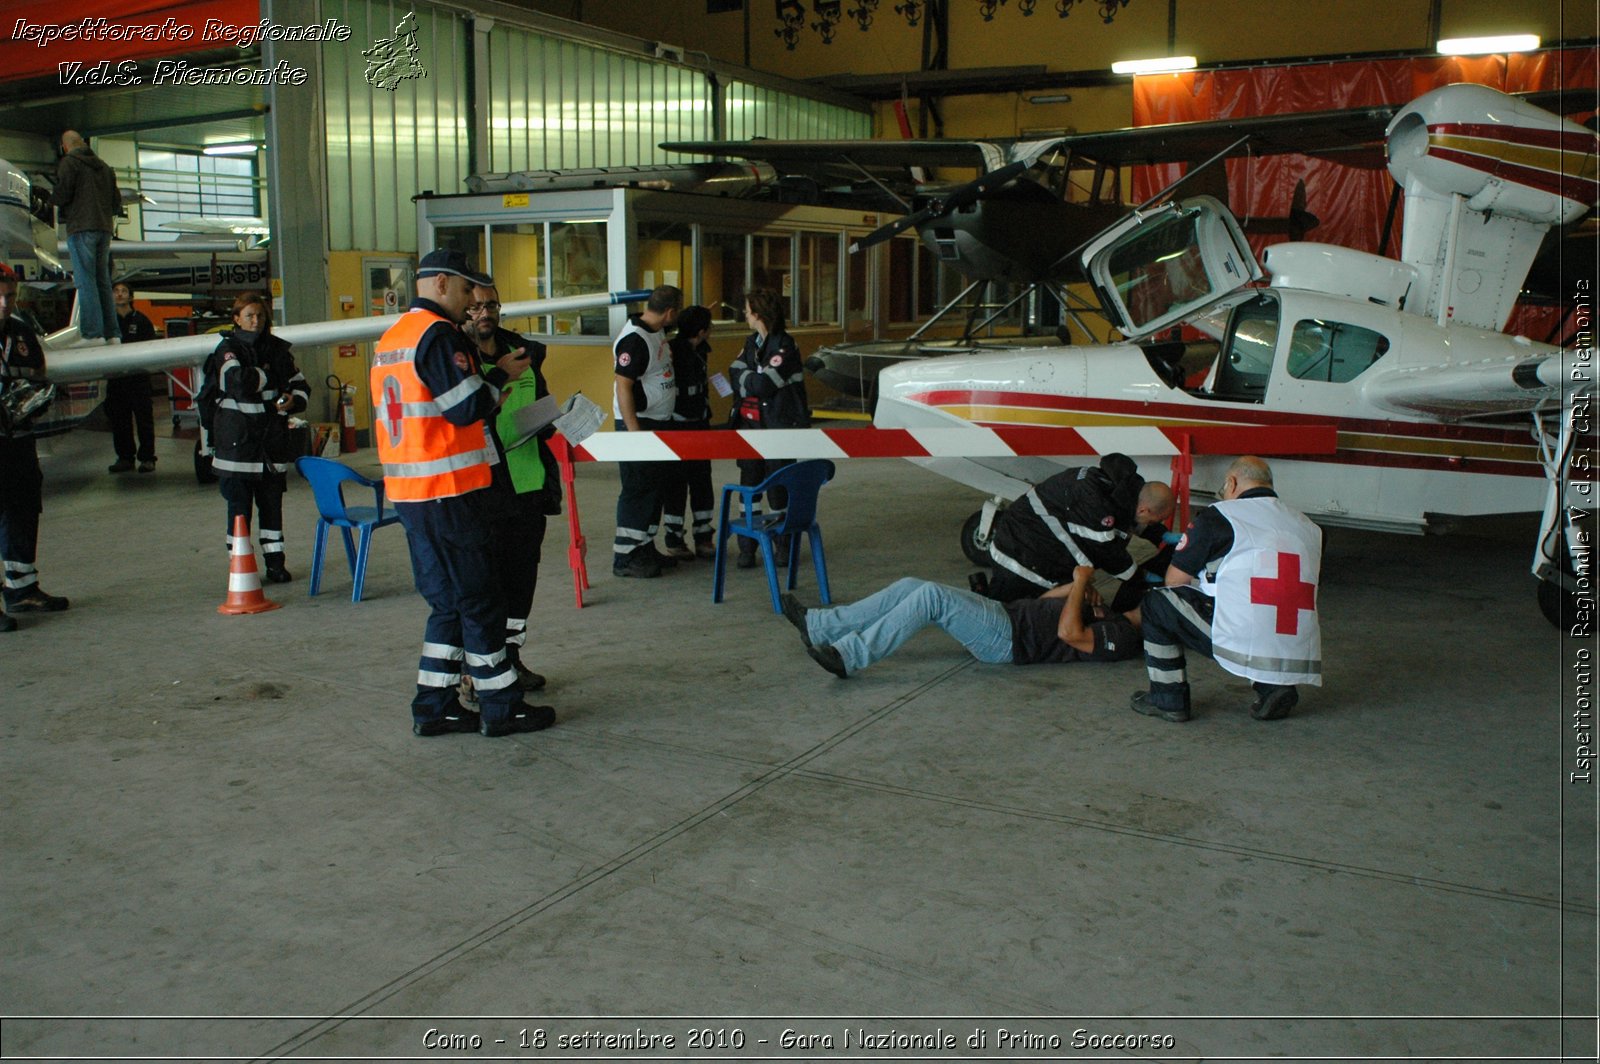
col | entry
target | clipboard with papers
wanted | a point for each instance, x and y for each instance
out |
(577, 419)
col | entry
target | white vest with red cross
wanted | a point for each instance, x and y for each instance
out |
(1265, 624)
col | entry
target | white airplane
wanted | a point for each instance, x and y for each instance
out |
(1438, 412)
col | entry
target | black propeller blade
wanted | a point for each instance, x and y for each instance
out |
(943, 205)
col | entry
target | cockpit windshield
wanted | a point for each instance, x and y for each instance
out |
(1161, 267)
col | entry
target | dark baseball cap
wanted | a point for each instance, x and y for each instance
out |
(443, 261)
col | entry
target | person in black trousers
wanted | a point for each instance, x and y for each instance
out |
(128, 405)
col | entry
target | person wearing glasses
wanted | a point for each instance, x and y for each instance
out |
(532, 492)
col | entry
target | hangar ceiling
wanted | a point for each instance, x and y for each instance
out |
(221, 113)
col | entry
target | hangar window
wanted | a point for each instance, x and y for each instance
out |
(1332, 351)
(665, 252)
(722, 271)
(817, 293)
(577, 267)
(187, 185)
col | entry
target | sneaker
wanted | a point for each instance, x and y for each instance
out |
(637, 563)
(148, 467)
(780, 551)
(1141, 704)
(36, 601)
(829, 659)
(795, 614)
(523, 718)
(662, 561)
(678, 551)
(1276, 705)
(121, 465)
(705, 547)
(526, 677)
(277, 574)
(462, 720)
(7, 624)
(747, 559)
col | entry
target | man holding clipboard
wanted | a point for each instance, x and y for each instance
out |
(521, 428)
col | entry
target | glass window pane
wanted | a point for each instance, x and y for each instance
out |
(666, 256)
(817, 297)
(1332, 351)
(722, 274)
(578, 267)
(770, 265)
(517, 263)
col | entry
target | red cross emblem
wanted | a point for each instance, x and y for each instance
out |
(1286, 592)
(391, 408)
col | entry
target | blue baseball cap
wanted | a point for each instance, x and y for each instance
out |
(451, 262)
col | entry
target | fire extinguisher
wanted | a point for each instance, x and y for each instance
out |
(346, 414)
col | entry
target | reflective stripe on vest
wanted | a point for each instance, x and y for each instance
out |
(424, 456)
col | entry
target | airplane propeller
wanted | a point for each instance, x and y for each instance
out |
(944, 204)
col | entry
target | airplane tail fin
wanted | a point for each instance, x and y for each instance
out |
(1485, 177)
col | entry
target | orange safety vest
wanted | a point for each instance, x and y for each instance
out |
(424, 456)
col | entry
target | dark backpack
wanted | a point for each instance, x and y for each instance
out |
(209, 395)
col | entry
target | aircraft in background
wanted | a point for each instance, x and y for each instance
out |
(1036, 203)
(30, 245)
(1438, 412)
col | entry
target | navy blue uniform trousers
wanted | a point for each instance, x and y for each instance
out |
(454, 561)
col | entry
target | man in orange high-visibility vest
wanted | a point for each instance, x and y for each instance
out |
(430, 406)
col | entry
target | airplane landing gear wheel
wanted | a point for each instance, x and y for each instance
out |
(977, 554)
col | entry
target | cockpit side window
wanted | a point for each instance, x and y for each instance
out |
(1333, 352)
(1246, 362)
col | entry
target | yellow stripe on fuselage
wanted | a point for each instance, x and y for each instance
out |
(1550, 160)
(1014, 415)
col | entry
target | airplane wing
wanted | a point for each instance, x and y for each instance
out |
(1353, 136)
(843, 161)
(97, 361)
(1488, 388)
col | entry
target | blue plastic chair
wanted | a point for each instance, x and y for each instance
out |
(327, 479)
(804, 481)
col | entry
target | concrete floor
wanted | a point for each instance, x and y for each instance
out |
(221, 839)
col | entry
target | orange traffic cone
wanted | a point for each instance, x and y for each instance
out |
(244, 580)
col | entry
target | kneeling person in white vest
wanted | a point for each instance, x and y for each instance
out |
(1242, 589)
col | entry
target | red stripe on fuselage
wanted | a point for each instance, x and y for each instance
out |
(1567, 186)
(1144, 413)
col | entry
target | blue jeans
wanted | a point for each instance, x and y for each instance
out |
(91, 271)
(874, 628)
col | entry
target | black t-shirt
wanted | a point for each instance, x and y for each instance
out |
(1209, 536)
(1034, 640)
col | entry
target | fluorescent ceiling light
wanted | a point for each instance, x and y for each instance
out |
(229, 149)
(1513, 42)
(1153, 66)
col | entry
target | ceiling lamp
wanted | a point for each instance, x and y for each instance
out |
(230, 149)
(1511, 42)
(1165, 65)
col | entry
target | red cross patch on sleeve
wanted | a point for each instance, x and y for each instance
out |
(624, 358)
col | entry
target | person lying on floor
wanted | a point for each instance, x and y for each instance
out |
(1067, 623)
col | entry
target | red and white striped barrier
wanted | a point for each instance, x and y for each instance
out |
(964, 442)
(1180, 442)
